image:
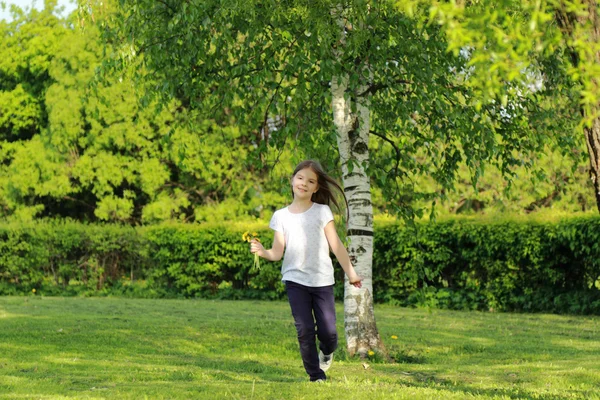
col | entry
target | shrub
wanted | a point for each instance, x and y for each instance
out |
(511, 264)
(515, 265)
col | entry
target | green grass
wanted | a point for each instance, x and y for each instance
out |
(108, 348)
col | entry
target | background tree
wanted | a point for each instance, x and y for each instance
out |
(386, 77)
(92, 153)
(546, 49)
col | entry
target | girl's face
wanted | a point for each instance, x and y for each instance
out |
(305, 183)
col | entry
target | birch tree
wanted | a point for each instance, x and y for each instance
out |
(352, 128)
(361, 77)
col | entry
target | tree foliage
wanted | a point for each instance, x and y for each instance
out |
(431, 111)
(74, 147)
(545, 50)
(101, 151)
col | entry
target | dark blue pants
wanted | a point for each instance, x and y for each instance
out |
(310, 305)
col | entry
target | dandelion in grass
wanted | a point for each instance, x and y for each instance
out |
(371, 353)
(249, 237)
(394, 337)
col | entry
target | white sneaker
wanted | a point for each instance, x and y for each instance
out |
(325, 361)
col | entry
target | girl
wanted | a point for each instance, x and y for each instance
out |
(305, 229)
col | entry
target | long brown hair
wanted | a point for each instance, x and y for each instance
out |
(325, 194)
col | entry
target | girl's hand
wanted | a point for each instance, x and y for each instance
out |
(355, 281)
(256, 247)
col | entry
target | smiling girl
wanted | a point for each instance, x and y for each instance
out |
(304, 232)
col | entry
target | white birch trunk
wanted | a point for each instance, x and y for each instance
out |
(353, 143)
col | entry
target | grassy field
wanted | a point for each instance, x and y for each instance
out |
(107, 348)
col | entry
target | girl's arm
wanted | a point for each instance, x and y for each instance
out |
(274, 253)
(337, 247)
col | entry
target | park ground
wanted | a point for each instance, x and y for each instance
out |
(113, 348)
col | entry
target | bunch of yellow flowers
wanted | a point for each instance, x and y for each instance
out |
(248, 237)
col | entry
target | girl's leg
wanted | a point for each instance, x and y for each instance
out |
(324, 306)
(301, 303)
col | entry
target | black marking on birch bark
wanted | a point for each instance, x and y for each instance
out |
(360, 202)
(360, 250)
(357, 145)
(359, 232)
(350, 188)
(365, 195)
(353, 132)
(350, 175)
(367, 216)
(360, 148)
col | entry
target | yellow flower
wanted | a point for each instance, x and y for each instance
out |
(247, 237)
(33, 290)
(394, 337)
(371, 353)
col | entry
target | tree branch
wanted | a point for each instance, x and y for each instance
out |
(398, 156)
(378, 86)
(161, 41)
(185, 188)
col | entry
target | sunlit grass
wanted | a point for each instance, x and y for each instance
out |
(106, 348)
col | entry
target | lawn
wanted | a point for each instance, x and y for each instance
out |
(110, 348)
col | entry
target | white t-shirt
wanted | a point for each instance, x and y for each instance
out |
(306, 259)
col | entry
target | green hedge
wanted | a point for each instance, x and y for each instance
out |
(516, 265)
(506, 265)
(67, 258)
(210, 261)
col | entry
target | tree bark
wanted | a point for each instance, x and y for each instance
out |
(567, 22)
(592, 136)
(592, 133)
(353, 144)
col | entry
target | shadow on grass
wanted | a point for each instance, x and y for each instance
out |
(85, 373)
(249, 369)
(430, 381)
